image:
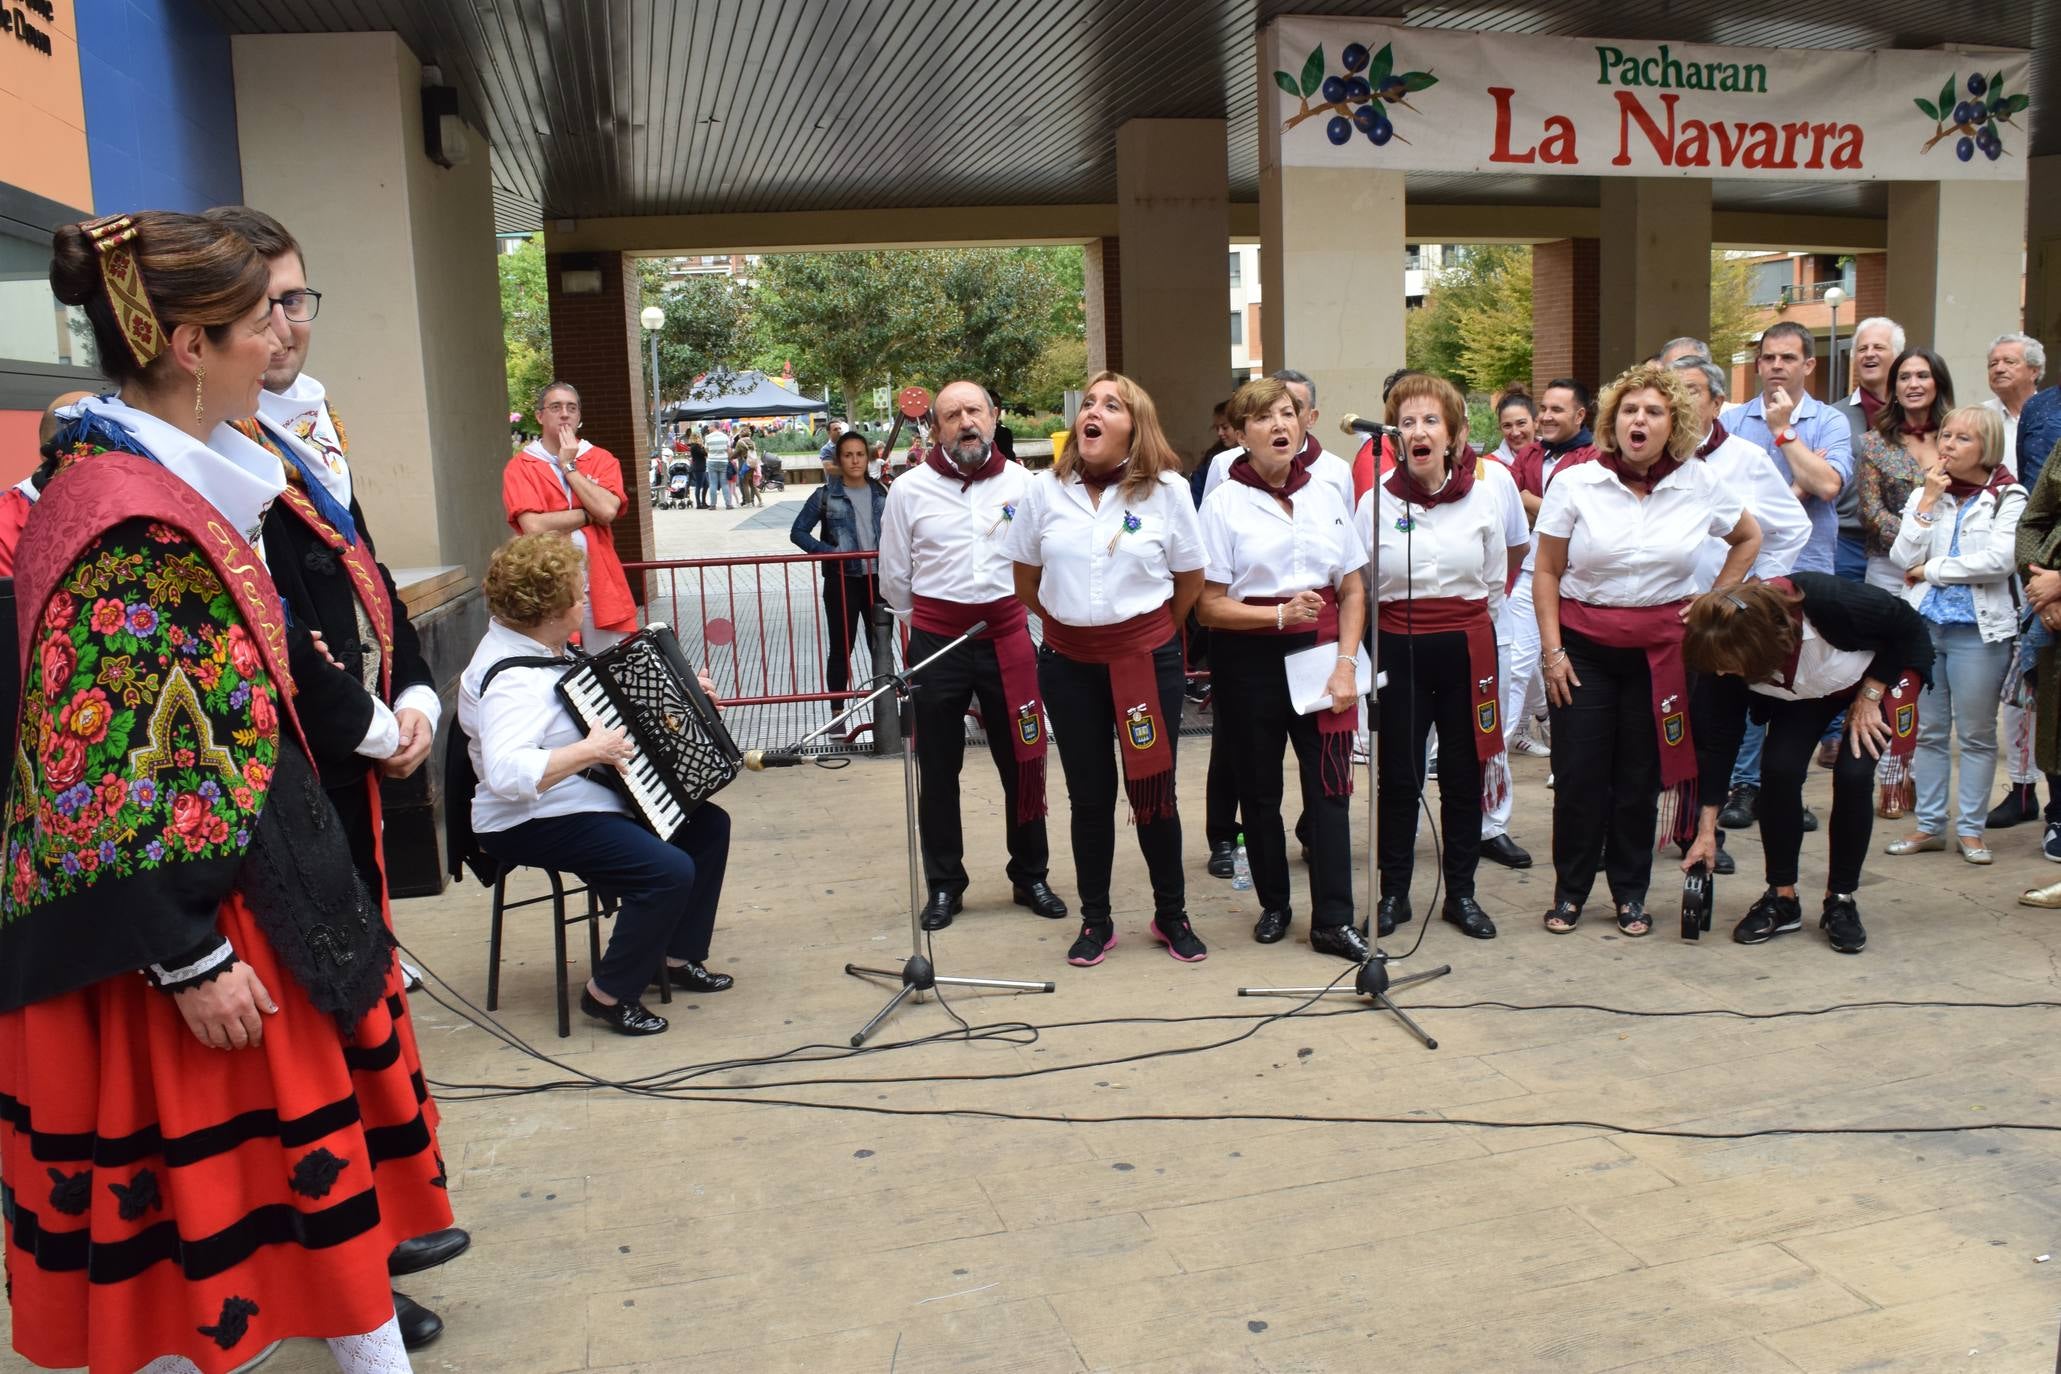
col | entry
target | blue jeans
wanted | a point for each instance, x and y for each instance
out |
(1746, 769)
(1967, 684)
(719, 484)
(1850, 559)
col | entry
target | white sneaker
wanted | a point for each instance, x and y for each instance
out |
(1525, 744)
(411, 976)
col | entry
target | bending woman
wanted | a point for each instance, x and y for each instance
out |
(1282, 578)
(1619, 541)
(1794, 653)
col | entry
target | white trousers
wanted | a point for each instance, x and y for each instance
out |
(1517, 666)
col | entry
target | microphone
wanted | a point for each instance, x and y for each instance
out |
(1353, 424)
(759, 760)
(976, 627)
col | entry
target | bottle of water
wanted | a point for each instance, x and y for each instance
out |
(1241, 868)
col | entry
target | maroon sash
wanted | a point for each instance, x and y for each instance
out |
(93, 495)
(1126, 649)
(1009, 631)
(1899, 703)
(1334, 728)
(1657, 630)
(1429, 615)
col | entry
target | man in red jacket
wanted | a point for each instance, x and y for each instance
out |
(563, 484)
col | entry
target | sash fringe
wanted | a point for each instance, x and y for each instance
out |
(1678, 813)
(1152, 798)
(1335, 762)
(1030, 789)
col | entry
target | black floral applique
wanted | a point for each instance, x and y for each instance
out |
(316, 1174)
(233, 1324)
(139, 1197)
(443, 1174)
(71, 1194)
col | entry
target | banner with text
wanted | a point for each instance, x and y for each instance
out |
(1346, 93)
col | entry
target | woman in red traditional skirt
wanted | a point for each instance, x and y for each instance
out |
(210, 1134)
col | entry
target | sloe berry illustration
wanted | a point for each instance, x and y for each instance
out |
(1393, 88)
(1357, 89)
(1381, 133)
(1974, 122)
(1334, 89)
(1360, 98)
(1367, 116)
(1339, 129)
(1354, 57)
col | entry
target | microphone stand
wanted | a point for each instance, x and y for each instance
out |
(1371, 981)
(916, 975)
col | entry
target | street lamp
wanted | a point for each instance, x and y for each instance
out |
(654, 319)
(1834, 297)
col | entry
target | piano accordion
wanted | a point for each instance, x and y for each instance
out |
(644, 687)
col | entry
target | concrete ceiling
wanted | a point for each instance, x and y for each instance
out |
(647, 107)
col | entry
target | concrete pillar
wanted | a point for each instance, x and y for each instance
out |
(1173, 209)
(2043, 257)
(596, 344)
(1331, 274)
(1103, 287)
(1563, 312)
(1955, 248)
(1656, 242)
(409, 340)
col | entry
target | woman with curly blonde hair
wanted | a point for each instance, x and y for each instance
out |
(538, 803)
(1618, 542)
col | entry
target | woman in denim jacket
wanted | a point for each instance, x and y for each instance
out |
(846, 509)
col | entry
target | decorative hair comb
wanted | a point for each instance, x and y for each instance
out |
(126, 294)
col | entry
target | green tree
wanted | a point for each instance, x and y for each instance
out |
(525, 322)
(1001, 310)
(1062, 367)
(710, 325)
(1735, 322)
(850, 320)
(1494, 323)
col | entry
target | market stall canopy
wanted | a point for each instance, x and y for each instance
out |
(740, 396)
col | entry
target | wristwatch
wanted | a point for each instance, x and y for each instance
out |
(1872, 693)
(1786, 435)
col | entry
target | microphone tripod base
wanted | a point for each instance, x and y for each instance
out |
(1373, 983)
(917, 978)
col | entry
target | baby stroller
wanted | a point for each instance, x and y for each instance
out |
(679, 485)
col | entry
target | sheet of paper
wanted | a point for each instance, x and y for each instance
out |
(1309, 676)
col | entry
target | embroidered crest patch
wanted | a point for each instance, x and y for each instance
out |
(1672, 728)
(1030, 728)
(1485, 717)
(1139, 727)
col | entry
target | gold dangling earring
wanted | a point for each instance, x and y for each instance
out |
(200, 381)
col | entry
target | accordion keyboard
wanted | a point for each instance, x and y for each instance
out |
(640, 777)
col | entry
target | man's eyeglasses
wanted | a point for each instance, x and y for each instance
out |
(300, 306)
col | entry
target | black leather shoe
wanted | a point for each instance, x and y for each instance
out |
(1742, 807)
(626, 1017)
(1726, 865)
(1040, 898)
(427, 1252)
(419, 1325)
(940, 909)
(1810, 820)
(693, 977)
(2021, 803)
(1394, 911)
(1223, 858)
(1465, 913)
(1344, 941)
(1272, 926)
(1505, 851)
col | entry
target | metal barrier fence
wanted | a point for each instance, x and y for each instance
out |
(761, 627)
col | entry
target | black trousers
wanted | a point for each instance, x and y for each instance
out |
(1430, 686)
(1220, 787)
(943, 691)
(668, 891)
(1794, 729)
(1606, 765)
(1259, 722)
(1084, 723)
(846, 600)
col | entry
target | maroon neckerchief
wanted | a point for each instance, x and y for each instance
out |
(1243, 472)
(1870, 407)
(1102, 481)
(1717, 436)
(1999, 478)
(952, 472)
(1403, 486)
(1649, 479)
(1914, 431)
(1008, 629)
(1143, 720)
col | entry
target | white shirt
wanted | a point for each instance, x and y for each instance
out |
(300, 414)
(1256, 549)
(947, 544)
(1821, 669)
(512, 733)
(1455, 549)
(718, 445)
(1329, 469)
(1546, 470)
(1104, 565)
(1624, 551)
(2010, 433)
(1745, 469)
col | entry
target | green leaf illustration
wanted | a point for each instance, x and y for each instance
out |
(1384, 65)
(1414, 82)
(1931, 112)
(1287, 83)
(2018, 104)
(1996, 82)
(1313, 72)
(1946, 95)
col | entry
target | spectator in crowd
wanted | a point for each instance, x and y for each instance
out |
(1877, 343)
(744, 452)
(829, 451)
(2016, 364)
(697, 469)
(537, 803)
(561, 484)
(1893, 456)
(18, 500)
(1517, 416)
(1005, 438)
(1959, 542)
(1620, 540)
(843, 516)
(1674, 350)
(2039, 563)
(1746, 470)
(718, 441)
(2039, 433)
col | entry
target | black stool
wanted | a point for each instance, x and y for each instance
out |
(597, 908)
